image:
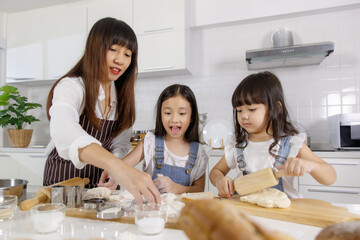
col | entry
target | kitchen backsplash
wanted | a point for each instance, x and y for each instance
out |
(312, 92)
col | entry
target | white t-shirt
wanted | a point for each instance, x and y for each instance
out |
(257, 157)
(66, 133)
(170, 158)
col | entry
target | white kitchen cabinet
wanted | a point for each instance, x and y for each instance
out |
(64, 38)
(9, 168)
(346, 189)
(119, 9)
(45, 43)
(23, 165)
(164, 37)
(24, 55)
(159, 15)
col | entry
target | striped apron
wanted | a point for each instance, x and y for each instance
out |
(58, 169)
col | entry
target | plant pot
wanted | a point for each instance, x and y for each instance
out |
(20, 138)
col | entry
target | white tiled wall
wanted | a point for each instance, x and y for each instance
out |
(312, 92)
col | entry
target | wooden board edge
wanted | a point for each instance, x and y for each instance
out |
(91, 214)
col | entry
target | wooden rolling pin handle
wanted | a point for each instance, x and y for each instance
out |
(279, 173)
(29, 203)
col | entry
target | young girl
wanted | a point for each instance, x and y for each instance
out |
(265, 137)
(91, 110)
(173, 156)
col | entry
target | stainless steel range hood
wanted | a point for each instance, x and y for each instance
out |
(295, 55)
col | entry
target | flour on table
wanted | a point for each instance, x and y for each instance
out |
(172, 204)
(269, 198)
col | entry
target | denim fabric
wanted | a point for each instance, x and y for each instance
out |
(179, 175)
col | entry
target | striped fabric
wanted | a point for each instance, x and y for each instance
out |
(58, 169)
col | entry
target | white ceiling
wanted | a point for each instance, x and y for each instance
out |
(11, 6)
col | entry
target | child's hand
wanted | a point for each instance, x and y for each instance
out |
(296, 167)
(225, 187)
(165, 184)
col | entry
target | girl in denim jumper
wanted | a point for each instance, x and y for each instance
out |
(265, 137)
(172, 154)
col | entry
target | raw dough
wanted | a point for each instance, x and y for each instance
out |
(99, 192)
(269, 198)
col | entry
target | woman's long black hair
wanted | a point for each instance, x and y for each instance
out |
(92, 67)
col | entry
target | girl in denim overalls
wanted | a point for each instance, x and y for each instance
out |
(265, 137)
(172, 154)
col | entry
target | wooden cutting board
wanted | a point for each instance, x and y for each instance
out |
(304, 211)
(91, 214)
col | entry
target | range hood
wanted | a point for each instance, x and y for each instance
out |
(289, 56)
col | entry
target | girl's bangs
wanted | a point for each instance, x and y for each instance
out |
(247, 96)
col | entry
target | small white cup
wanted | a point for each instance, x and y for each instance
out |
(150, 218)
(47, 218)
(8, 206)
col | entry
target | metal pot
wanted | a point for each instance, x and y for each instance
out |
(14, 187)
(282, 37)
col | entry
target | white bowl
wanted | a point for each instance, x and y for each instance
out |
(47, 218)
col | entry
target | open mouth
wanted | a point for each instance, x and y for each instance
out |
(175, 130)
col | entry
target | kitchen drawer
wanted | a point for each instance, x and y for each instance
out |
(331, 194)
(347, 170)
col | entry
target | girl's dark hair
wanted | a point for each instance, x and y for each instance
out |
(93, 66)
(191, 134)
(263, 88)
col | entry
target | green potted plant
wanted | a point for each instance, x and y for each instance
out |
(14, 112)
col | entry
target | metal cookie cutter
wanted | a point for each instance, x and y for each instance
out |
(74, 196)
(94, 203)
(110, 211)
(58, 194)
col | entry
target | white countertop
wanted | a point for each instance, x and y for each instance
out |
(79, 228)
(23, 150)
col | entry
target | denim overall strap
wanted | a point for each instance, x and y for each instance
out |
(284, 150)
(283, 153)
(190, 163)
(159, 152)
(241, 160)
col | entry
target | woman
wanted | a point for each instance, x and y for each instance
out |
(91, 110)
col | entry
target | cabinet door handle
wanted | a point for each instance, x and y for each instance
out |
(37, 155)
(4, 155)
(345, 163)
(158, 30)
(158, 68)
(333, 191)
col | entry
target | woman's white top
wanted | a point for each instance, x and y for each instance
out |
(67, 135)
(257, 157)
(170, 158)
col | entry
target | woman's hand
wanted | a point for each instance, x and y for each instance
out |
(225, 187)
(138, 183)
(111, 184)
(165, 184)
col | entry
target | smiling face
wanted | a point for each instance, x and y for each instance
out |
(253, 118)
(118, 59)
(176, 116)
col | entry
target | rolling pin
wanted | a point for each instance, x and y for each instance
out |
(43, 195)
(257, 181)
